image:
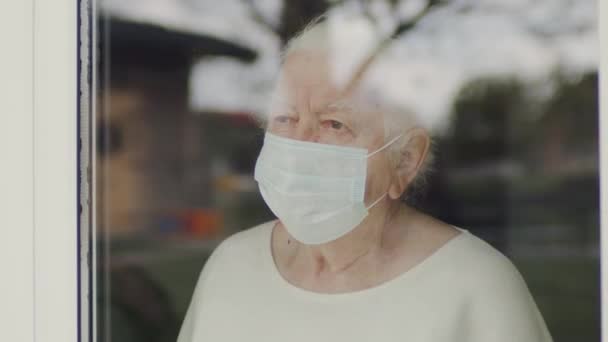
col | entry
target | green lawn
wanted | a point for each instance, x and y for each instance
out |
(567, 291)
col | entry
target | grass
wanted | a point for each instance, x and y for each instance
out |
(567, 292)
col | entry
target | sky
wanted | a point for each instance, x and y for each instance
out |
(422, 70)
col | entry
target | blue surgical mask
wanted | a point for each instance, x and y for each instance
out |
(316, 190)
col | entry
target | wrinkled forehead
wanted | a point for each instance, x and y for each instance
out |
(305, 71)
(307, 82)
(311, 78)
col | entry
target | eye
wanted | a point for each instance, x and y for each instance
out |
(333, 124)
(283, 119)
(335, 131)
(336, 124)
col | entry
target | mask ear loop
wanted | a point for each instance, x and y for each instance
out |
(376, 201)
(371, 154)
(385, 145)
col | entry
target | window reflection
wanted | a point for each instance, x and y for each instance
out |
(184, 95)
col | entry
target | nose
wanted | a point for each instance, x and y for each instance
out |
(307, 130)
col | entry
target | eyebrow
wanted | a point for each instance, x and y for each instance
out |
(341, 105)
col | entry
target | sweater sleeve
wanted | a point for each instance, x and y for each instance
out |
(187, 330)
(503, 309)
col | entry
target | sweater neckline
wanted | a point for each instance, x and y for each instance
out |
(401, 279)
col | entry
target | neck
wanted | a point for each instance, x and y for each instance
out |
(342, 254)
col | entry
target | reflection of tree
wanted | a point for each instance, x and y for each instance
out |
(512, 160)
(475, 158)
(494, 119)
(568, 128)
(482, 121)
(296, 14)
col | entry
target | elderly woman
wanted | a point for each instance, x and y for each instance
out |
(347, 259)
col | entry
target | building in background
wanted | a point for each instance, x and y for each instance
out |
(153, 163)
(156, 181)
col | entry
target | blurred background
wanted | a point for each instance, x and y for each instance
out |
(509, 90)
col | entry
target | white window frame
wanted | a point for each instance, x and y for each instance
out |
(38, 188)
(603, 34)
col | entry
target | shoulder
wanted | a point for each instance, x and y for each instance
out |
(481, 270)
(245, 246)
(236, 256)
(464, 256)
(248, 239)
(232, 264)
(500, 303)
(484, 265)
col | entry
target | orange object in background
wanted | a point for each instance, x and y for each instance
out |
(203, 223)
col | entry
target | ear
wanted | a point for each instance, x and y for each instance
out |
(412, 153)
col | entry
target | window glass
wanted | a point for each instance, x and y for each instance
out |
(508, 92)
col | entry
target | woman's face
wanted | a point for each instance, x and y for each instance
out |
(308, 106)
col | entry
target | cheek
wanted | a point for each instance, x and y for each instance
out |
(378, 177)
(282, 130)
(333, 137)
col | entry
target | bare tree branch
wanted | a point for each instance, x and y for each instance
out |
(365, 7)
(402, 28)
(259, 17)
(297, 14)
(409, 24)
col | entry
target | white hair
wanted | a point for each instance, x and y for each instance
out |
(355, 52)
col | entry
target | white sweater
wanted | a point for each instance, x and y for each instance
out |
(466, 291)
